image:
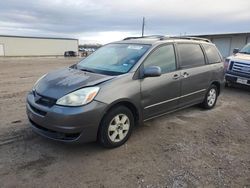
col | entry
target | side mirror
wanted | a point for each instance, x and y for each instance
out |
(236, 50)
(152, 71)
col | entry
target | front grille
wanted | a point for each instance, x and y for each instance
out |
(240, 67)
(231, 65)
(36, 110)
(44, 101)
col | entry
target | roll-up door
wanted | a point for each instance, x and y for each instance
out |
(223, 44)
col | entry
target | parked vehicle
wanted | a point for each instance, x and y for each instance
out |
(238, 67)
(122, 85)
(70, 54)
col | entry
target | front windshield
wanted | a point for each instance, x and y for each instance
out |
(113, 59)
(246, 49)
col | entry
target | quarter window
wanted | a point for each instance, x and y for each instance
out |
(164, 57)
(212, 54)
(191, 55)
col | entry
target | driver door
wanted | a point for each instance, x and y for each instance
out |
(161, 94)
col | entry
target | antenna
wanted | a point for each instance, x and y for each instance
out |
(143, 26)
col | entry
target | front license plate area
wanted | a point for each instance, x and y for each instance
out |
(241, 81)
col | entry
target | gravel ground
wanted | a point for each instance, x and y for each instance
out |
(189, 148)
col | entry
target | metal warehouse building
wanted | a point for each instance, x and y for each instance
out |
(227, 42)
(36, 46)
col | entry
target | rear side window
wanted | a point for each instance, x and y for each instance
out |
(212, 54)
(190, 55)
(164, 57)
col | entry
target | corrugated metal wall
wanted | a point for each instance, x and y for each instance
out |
(21, 46)
(227, 43)
(223, 44)
(1, 50)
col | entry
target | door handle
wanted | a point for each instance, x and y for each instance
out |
(176, 76)
(185, 74)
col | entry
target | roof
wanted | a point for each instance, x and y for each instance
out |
(15, 36)
(139, 41)
(223, 34)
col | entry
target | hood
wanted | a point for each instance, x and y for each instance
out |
(240, 57)
(58, 83)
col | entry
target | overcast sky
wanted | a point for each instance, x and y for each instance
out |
(108, 20)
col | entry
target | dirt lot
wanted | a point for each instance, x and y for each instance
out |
(189, 148)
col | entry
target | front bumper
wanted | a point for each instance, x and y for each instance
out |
(67, 124)
(233, 78)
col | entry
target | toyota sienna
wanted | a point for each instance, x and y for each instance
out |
(124, 84)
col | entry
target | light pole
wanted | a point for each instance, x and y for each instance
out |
(143, 25)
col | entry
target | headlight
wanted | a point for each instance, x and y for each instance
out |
(79, 97)
(38, 81)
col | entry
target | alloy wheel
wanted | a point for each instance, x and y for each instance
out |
(211, 97)
(118, 128)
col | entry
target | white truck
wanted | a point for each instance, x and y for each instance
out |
(238, 67)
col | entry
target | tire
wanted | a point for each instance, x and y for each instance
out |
(228, 84)
(116, 127)
(210, 98)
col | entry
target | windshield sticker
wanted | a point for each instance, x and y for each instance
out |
(135, 47)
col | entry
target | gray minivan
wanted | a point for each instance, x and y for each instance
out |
(122, 85)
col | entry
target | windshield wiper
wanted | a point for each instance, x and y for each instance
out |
(244, 52)
(86, 70)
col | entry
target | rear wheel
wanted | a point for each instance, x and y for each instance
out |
(210, 98)
(116, 127)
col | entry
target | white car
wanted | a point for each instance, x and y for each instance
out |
(238, 67)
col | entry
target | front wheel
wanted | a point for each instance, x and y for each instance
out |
(228, 84)
(116, 127)
(210, 98)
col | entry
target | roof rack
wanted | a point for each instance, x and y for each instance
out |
(142, 37)
(161, 37)
(188, 38)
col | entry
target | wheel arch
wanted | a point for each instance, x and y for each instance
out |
(218, 85)
(130, 105)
